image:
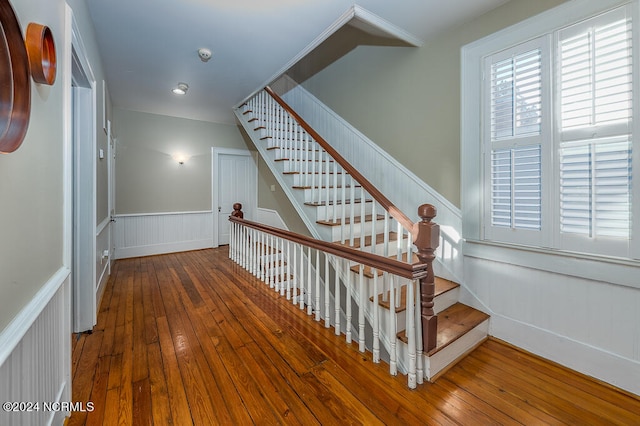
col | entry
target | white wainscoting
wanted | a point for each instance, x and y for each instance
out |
(588, 325)
(156, 233)
(35, 355)
(271, 218)
(102, 261)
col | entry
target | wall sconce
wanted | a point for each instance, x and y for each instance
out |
(181, 89)
(180, 158)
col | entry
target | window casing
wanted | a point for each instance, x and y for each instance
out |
(558, 138)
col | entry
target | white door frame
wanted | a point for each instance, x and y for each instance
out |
(111, 173)
(83, 274)
(250, 211)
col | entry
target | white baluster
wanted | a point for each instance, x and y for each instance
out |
(335, 191)
(343, 207)
(352, 211)
(308, 180)
(327, 292)
(317, 291)
(376, 318)
(296, 275)
(288, 272)
(263, 257)
(393, 356)
(337, 263)
(362, 215)
(302, 286)
(418, 327)
(362, 295)
(410, 331)
(309, 283)
(327, 181)
(373, 225)
(349, 274)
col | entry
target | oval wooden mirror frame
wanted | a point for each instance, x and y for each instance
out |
(15, 82)
(41, 50)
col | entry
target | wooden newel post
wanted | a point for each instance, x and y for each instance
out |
(237, 211)
(427, 240)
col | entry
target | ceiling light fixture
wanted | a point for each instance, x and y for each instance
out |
(181, 89)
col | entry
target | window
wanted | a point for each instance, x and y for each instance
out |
(558, 142)
(515, 111)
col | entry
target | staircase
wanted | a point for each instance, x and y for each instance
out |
(331, 200)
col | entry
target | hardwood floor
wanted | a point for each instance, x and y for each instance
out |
(191, 338)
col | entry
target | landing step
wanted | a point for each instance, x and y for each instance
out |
(453, 323)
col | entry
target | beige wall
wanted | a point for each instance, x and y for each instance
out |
(407, 100)
(149, 179)
(31, 178)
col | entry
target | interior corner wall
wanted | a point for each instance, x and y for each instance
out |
(149, 178)
(35, 208)
(407, 100)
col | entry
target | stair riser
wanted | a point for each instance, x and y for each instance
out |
(327, 212)
(442, 360)
(334, 233)
(303, 166)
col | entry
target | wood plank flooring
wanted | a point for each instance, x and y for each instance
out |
(193, 339)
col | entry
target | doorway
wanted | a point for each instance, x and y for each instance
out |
(234, 180)
(83, 125)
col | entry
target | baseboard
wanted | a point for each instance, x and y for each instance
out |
(150, 250)
(620, 372)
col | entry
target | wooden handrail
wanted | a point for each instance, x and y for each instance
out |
(386, 264)
(368, 186)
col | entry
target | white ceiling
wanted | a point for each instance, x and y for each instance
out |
(148, 46)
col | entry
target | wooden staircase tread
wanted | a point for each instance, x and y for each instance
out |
(442, 286)
(357, 219)
(453, 323)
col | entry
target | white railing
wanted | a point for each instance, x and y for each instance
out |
(313, 275)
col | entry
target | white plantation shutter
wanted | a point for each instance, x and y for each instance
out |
(515, 114)
(595, 185)
(516, 95)
(559, 124)
(595, 149)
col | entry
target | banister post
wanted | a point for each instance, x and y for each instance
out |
(427, 240)
(237, 211)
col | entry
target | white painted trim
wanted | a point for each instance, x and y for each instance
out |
(614, 369)
(150, 250)
(386, 26)
(11, 336)
(161, 213)
(102, 226)
(611, 270)
(354, 11)
(67, 147)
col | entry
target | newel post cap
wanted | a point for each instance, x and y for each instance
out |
(427, 212)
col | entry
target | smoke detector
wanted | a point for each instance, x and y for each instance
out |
(204, 54)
